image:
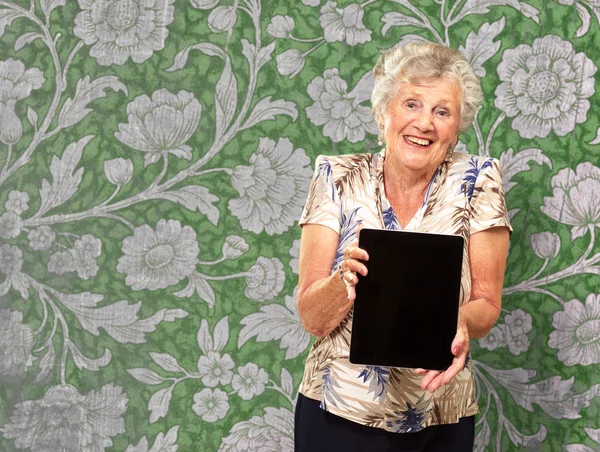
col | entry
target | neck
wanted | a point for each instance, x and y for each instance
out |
(402, 180)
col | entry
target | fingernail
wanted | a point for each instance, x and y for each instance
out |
(456, 351)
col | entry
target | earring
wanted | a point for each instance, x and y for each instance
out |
(380, 143)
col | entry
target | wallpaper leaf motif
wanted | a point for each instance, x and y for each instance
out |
(150, 199)
(480, 47)
(74, 110)
(65, 179)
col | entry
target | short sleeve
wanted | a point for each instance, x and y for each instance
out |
(488, 206)
(323, 204)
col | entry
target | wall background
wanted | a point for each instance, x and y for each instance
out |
(155, 156)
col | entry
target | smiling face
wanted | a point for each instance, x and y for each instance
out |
(420, 124)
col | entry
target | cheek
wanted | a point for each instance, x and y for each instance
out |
(394, 123)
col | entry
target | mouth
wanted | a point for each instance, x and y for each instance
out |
(421, 142)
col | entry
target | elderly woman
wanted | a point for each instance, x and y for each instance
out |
(424, 95)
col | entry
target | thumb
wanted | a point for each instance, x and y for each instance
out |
(458, 344)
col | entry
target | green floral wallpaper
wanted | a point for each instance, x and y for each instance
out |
(155, 156)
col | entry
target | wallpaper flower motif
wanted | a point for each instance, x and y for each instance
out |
(290, 62)
(249, 381)
(62, 262)
(211, 404)
(161, 124)
(215, 369)
(16, 83)
(118, 171)
(341, 111)
(574, 198)
(577, 332)
(155, 259)
(11, 262)
(271, 432)
(496, 338)
(545, 87)
(222, 19)
(10, 225)
(546, 245)
(518, 322)
(123, 28)
(41, 238)
(264, 279)
(295, 253)
(17, 202)
(152, 144)
(281, 26)
(272, 188)
(66, 420)
(16, 344)
(344, 24)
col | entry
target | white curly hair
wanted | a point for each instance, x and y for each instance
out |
(419, 62)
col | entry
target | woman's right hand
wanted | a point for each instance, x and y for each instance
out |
(351, 265)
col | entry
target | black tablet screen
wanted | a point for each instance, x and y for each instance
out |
(406, 308)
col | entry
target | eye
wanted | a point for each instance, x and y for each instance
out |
(411, 104)
(443, 113)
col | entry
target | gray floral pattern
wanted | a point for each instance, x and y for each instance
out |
(68, 421)
(11, 262)
(155, 259)
(265, 279)
(215, 369)
(161, 124)
(17, 202)
(211, 404)
(16, 344)
(545, 87)
(16, 83)
(340, 111)
(576, 334)
(546, 245)
(41, 238)
(154, 160)
(344, 24)
(118, 171)
(10, 225)
(573, 200)
(272, 188)
(118, 30)
(249, 381)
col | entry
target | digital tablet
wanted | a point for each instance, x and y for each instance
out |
(406, 308)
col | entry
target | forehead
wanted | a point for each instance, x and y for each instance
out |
(437, 90)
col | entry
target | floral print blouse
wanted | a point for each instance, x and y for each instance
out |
(464, 196)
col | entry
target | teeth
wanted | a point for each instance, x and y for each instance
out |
(418, 141)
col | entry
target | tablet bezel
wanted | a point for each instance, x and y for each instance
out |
(404, 265)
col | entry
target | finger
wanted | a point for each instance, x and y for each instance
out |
(427, 379)
(353, 251)
(351, 293)
(436, 383)
(356, 267)
(458, 364)
(420, 371)
(459, 344)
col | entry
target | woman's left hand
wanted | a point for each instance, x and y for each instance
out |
(434, 379)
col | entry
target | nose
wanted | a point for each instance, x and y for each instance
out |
(425, 121)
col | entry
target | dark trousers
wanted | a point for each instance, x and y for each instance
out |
(317, 430)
